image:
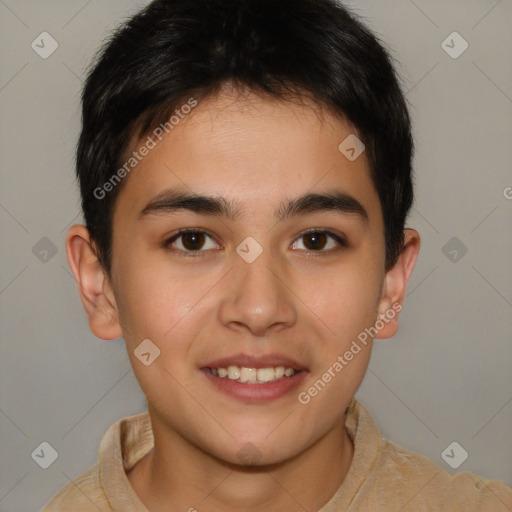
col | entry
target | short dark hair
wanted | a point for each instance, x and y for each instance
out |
(175, 49)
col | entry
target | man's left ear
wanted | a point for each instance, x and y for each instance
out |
(395, 285)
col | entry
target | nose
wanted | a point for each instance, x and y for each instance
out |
(258, 297)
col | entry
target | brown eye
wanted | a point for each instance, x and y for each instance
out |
(190, 241)
(193, 241)
(318, 241)
(315, 241)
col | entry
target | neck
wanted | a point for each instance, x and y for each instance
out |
(203, 482)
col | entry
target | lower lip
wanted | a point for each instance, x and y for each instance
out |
(256, 392)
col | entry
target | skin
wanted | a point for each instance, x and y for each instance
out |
(291, 300)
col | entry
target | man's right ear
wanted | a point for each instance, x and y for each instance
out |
(93, 283)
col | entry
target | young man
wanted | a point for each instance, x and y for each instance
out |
(245, 170)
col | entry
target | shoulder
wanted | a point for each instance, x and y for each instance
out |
(424, 485)
(83, 493)
(104, 486)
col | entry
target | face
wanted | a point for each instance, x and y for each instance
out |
(254, 284)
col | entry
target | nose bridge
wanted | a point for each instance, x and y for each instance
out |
(259, 276)
(258, 295)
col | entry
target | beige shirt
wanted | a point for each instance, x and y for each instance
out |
(382, 477)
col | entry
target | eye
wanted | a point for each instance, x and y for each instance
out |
(317, 239)
(190, 241)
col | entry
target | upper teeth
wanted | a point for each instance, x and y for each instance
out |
(253, 375)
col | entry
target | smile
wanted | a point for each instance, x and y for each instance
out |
(243, 374)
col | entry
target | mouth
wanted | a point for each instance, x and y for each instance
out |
(254, 379)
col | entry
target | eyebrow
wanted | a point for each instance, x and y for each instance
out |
(172, 201)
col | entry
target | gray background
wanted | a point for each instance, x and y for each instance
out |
(445, 377)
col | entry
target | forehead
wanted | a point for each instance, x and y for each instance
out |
(255, 151)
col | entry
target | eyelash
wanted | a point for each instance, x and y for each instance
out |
(200, 253)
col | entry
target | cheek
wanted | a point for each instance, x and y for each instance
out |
(345, 300)
(149, 302)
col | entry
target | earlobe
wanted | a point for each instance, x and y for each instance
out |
(395, 285)
(93, 285)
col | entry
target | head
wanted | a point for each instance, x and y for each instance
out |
(296, 247)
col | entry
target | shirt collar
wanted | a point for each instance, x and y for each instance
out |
(125, 443)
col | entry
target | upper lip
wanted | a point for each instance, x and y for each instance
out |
(253, 361)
